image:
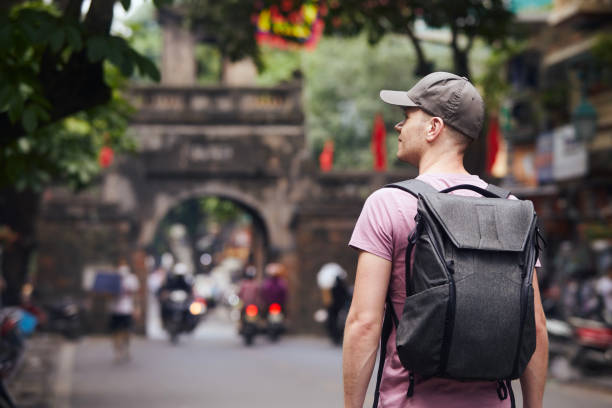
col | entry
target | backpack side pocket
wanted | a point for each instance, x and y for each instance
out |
(421, 330)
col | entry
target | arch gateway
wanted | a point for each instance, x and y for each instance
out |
(243, 143)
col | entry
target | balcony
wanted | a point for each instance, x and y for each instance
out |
(565, 10)
(217, 105)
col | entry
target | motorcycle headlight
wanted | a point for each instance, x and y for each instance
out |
(196, 308)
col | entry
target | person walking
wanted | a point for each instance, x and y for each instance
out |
(123, 310)
(443, 114)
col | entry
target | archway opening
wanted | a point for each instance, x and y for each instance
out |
(214, 239)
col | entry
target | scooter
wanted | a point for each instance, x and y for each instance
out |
(12, 345)
(249, 323)
(276, 322)
(181, 313)
(63, 317)
(593, 341)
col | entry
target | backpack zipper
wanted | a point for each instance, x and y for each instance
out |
(450, 309)
(527, 276)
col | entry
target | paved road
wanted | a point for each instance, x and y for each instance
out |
(216, 370)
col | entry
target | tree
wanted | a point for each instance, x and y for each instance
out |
(60, 80)
(489, 20)
(464, 18)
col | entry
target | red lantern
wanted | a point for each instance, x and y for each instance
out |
(106, 156)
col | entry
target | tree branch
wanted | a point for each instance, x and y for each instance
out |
(71, 8)
(99, 17)
(78, 86)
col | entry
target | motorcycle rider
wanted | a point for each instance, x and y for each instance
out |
(274, 287)
(178, 279)
(249, 287)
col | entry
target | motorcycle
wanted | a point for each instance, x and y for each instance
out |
(12, 345)
(578, 344)
(276, 322)
(593, 341)
(249, 323)
(181, 313)
(63, 317)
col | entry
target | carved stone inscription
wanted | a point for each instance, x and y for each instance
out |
(244, 155)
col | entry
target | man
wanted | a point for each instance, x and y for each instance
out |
(443, 114)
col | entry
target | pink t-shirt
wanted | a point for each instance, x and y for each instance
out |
(386, 220)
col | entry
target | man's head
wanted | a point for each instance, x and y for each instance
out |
(442, 110)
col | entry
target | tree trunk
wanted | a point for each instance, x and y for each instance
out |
(460, 60)
(460, 56)
(423, 67)
(18, 211)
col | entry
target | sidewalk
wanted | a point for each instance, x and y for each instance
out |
(42, 380)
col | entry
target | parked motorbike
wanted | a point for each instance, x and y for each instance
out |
(181, 313)
(249, 323)
(275, 321)
(593, 341)
(12, 344)
(63, 317)
(578, 344)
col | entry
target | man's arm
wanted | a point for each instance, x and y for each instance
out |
(363, 326)
(533, 379)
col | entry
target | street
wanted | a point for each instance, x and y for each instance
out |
(214, 369)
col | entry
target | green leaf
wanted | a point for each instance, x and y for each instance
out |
(126, 4)
(6, 93)
(29, 119)
(57, 40)
(16, 108)
(161, 3)
(96, 48)
(5, 36)
(73, 36)
(147, 68)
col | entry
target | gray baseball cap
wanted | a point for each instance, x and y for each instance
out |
(448, 96)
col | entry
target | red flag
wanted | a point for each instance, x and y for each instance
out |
(379, 144)
(493, 143)
(326, 158)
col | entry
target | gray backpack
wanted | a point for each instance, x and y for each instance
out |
(469, 312)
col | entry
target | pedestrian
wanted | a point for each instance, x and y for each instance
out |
(124, 308)
(443, 115)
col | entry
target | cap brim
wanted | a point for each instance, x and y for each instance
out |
(399, 98)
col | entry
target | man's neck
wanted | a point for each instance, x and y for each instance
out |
(445, 163)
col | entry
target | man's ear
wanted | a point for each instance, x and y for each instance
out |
(434, 128)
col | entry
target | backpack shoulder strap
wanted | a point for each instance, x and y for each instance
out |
(503, 193)
(413, 186)
(390, 321)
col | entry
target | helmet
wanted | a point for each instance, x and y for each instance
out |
(250, 272)
(326, 278)
(180, 269)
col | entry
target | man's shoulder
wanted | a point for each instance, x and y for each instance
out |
(390, 196)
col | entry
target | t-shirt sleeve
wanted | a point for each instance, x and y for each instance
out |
(373, 231)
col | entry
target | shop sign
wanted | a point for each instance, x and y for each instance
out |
(570, 158)
(544, 158)
(523, 165)
(281, 27)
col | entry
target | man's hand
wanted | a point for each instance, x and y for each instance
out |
(533, 379)
(363, 326)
